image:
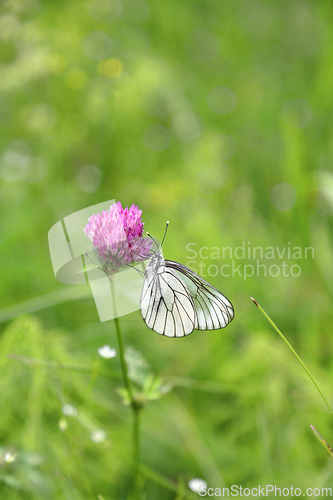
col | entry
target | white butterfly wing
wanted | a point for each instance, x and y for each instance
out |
(213, 310)
(166, 305)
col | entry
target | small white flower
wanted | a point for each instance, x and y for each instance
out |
(69, 410)
(98, 436)
(62, 424)
(197, 485)
(106, 352)
(10, 457)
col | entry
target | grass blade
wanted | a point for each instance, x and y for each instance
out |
(322, 440)
(292, 350)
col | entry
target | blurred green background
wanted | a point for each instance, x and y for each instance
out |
(217, 116)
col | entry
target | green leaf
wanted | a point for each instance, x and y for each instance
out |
(123, 393)
(154, 388)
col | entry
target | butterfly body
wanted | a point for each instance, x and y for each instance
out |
(175, 300)
(156, 264)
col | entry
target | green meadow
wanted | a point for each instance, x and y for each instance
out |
(215, 116)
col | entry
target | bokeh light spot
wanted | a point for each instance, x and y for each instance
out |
(283, 197)
(132, 160)
(157, 138)
(135, 11)
(296, 113)
(186, 126)
(36, 170)
(222, 100)
(212, 178)
(41, 117)
(9, 26)
(55, 63)
(105, 10)
(75, 78)
(88, 178)
(202, 46)
(97, 45)
(62, 424)
(158, 102)
(226, 146)
(243, 197)
(15, 161)
(112, 67)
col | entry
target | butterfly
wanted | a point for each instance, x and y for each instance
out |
(175, 300)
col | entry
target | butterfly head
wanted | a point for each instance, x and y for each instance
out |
(156, 262)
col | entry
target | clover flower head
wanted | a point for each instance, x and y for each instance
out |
(117, 236)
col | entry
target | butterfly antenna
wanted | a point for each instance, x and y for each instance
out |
(150, 236)
(165, 232)
(136, 253)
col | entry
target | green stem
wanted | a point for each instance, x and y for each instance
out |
(136, 450)
(128, 385)
(293, 351)
(322, 440)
